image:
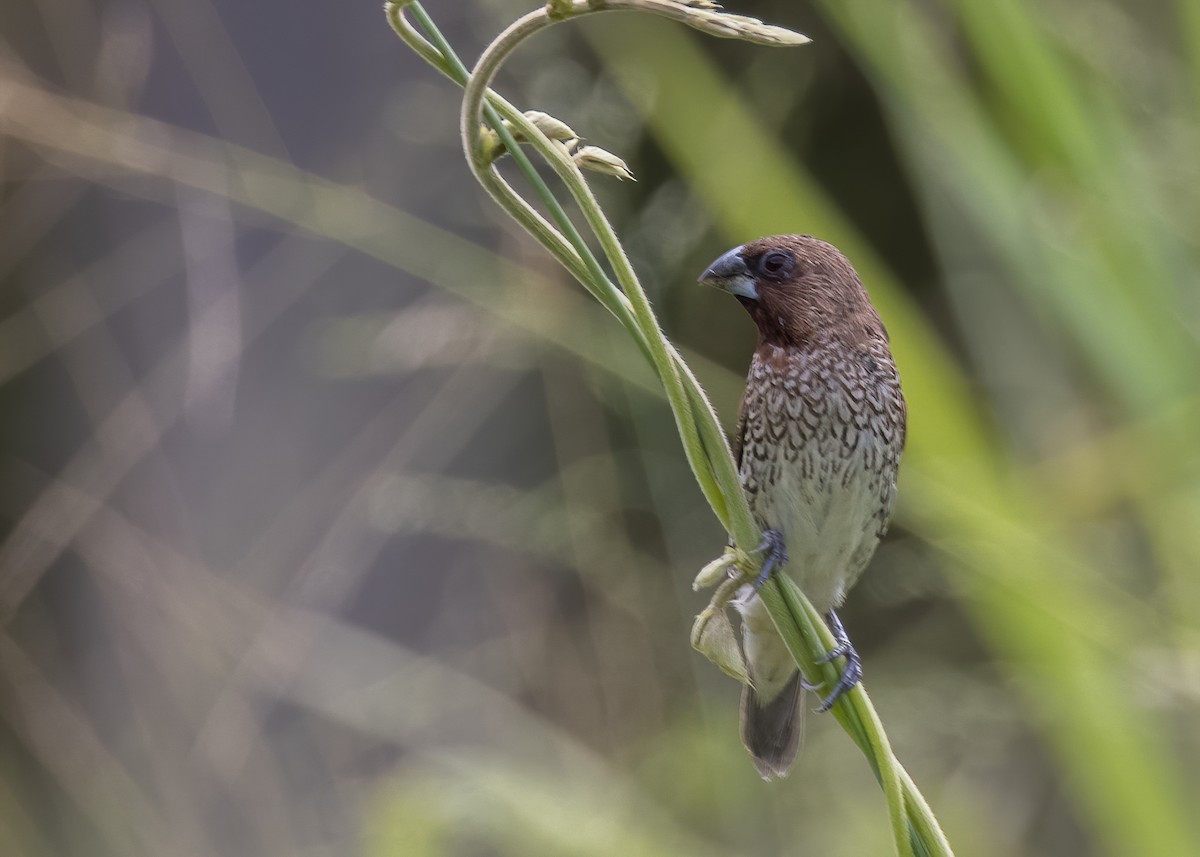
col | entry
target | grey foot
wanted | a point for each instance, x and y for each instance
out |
(776, 556)
(852, 674)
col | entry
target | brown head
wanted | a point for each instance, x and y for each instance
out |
(798, 289)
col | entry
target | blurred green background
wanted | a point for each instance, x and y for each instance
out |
(336, 520)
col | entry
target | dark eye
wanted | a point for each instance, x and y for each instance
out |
(775, 264)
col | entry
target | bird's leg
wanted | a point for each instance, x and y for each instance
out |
(776, 555)
(852, 674)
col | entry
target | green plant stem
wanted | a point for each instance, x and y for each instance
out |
(709, 455)
(573, 254)
(915, 830)
(862, 723)
(581, 263)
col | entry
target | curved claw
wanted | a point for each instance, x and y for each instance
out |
(852, 674)
(841, 650)
(804, 685)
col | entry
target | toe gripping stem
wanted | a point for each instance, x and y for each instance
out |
(776, 555)
(852, 674)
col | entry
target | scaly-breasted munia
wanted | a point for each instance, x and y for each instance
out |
(818, 444)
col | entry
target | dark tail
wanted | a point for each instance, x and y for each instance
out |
(772, 731)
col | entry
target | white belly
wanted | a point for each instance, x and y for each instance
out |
(829, 524)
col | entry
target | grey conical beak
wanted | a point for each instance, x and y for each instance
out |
(730, 273)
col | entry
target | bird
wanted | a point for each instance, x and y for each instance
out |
(821, 429)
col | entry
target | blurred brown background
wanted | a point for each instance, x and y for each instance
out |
(336, 520)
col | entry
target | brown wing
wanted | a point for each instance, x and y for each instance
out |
(737, 441)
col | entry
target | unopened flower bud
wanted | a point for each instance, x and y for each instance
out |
(725, 25)
(600, 161)
(555, 129)
(490, 147)
(713, 637)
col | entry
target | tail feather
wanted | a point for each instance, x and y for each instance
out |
(772, 730)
